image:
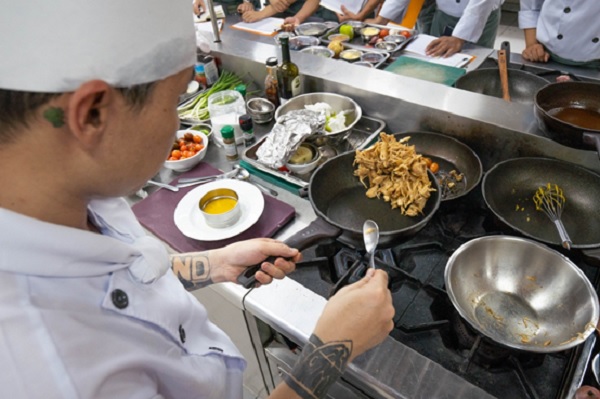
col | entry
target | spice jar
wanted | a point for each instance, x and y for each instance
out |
(271, 88)
(247, 130)
(229, 143)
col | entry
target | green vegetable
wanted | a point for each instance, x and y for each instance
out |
(198, 108)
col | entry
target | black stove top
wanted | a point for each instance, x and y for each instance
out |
(426, 320)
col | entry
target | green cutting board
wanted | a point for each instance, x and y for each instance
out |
(415, 68)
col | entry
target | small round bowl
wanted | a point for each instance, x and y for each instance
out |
(356, 25)
(203, 128)
(278, 36)
(186, 164)
(386, 46)
(339, 37)
(261, 110)
(220, 207)
(298, 43)
(373, 58)
(396, 39)
(368, 33)
(351, 55)
(311, 29)
(319, 50)
(306, 167)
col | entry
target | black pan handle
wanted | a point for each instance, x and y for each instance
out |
(316, 231)
(506, 47)
(592, 139)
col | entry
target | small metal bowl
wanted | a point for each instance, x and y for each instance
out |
(369, 33)
(311, 29)
(351, 55)
(340, 37)
(396, 39)
(387, 46)
(373, 58)
(261, 110)
(306, 167)
(356, 25)
(298, 43)
(220, 208)
(319, 50)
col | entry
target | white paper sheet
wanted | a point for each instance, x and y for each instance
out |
(336, 5)
(420, 43)
(267, 26)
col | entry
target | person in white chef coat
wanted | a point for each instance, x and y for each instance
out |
(90, 306)
(454, 22)
(564, 31)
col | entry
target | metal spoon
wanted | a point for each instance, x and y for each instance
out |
(244, 175)
(163, 185)
(371, 237)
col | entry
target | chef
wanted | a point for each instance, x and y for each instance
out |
(564, 31)
(90, 306)
(454, 22)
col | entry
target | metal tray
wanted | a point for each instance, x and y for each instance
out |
(365, 131)
(376, 65)
(357, 42)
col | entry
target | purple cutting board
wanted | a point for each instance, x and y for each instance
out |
(156, 213)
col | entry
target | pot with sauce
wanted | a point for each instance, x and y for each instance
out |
(569, 113)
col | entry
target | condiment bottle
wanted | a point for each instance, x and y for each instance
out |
(288, 74)
(229, 143)
(200, 77)
(271, 88)
(211, 70)
(248, 131)
(241, 88)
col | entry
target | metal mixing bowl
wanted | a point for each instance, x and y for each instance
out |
(337, 102)
(521, 294)
(261, 110)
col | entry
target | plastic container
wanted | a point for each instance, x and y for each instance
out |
(225, 108)
(211, 70)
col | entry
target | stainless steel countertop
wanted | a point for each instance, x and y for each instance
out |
(494, 129)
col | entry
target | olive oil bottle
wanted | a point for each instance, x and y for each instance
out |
(288, 75)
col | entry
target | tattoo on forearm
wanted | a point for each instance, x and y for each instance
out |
(55, 115)
(192, 270)
(318, 367)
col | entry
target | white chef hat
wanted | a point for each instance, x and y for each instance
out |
(55, 45)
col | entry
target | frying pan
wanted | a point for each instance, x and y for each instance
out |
(450, 154)
(580, 127)
(339, 200)
(522, 85)
(521, 294)
(508, 190)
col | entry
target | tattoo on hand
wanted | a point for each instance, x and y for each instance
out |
(55, 115)
(192, 270)
(319, 367)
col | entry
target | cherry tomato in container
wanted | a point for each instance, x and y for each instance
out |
(383, 33)
(405, 33)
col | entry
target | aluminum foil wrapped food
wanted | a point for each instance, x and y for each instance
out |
(288, 133)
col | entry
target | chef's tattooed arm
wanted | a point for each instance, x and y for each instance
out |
(318, 367)
(192, 269)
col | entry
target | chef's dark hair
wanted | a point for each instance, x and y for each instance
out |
(16, 107)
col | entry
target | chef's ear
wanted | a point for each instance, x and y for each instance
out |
(88, 111)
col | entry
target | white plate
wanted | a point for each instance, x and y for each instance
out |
(191, 223)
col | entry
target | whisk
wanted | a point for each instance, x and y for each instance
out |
(551, 200)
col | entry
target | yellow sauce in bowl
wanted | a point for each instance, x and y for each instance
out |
(220, 205)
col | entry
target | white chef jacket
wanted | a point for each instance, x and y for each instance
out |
(568, 28)
(84, 315)
(473, 14)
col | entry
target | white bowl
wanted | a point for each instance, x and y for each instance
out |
(303, 168)
(186, 164)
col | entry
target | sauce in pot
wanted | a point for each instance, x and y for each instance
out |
(581, 117)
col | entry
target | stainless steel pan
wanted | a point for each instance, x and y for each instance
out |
(521, 294)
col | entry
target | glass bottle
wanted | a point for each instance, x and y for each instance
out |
(248, 131)
(271, 87)
(200, 76)
(229, 143)
(288, 74)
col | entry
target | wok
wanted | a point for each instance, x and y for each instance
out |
(338, 198)
(508, 190)
(521, 294)
(521, 85)
(569, 113)
(450, 154)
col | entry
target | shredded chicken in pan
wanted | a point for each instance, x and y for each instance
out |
(396, 173)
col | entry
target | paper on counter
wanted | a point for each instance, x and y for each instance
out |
(336, 5)
(267, 27)
(420, 43)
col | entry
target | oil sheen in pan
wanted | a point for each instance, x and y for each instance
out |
(582, 117)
